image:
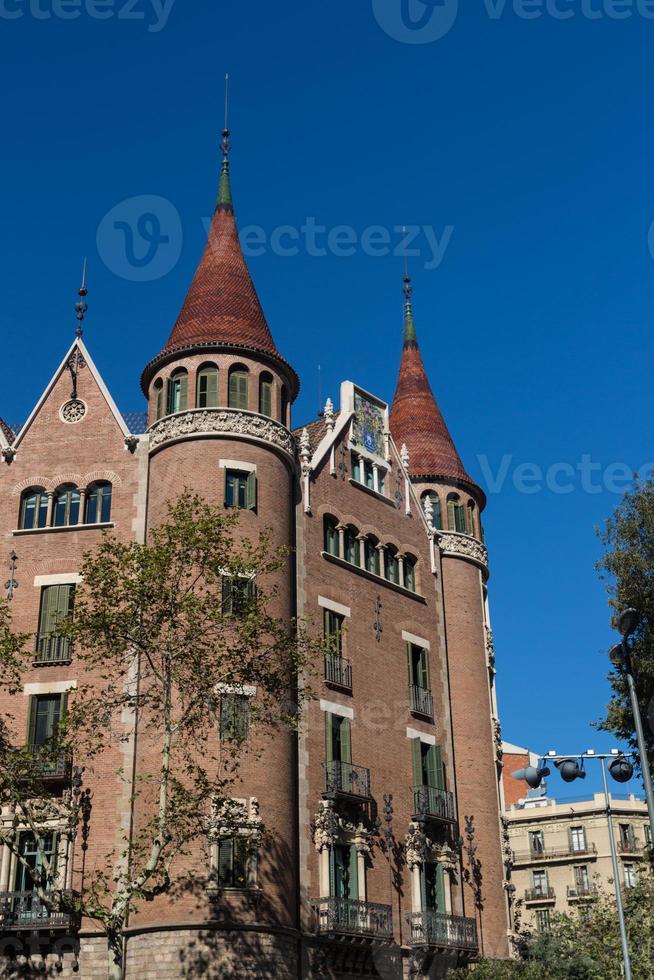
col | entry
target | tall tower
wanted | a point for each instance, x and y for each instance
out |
(219, 397)
(454, 503)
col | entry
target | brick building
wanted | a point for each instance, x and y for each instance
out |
(403, 736)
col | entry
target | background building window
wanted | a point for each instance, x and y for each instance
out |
(539, 879)
(577, 839)
(98, 504)
(234, 716)
(66, 506)
(56, 606)
(582, 879)
(240, 489)
(331, 537)
(543, 920)
(206, 389)
(237, 396)
(33, 508)
(233, 854)
(265, 394)
(630, 876)
(536, 842)
(177, 392)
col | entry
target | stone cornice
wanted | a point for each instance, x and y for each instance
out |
(231, 422)
(456, 545)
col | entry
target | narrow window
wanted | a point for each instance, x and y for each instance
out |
(433, 887)
(410, 573)
(456, 515)
(238, 388)
(331, 537)
(27, 877)
(582, 879)
(356, 467)
(392, 566)
(630, 876)
(372, 556)
(368, 475)
(470, 517)
(344, 876)
(234, 716)
(241, 489)
(284, 406)
(158, 392)
(98, 504)
(539, 879)
(177, 392)
(206, 389)
(265, 394)
(66, 507)
(352, 551)
(577, 839)
(233, 863)
(543, 920)
(536, 842)
(56, 606)
(45, 713)
(33, 509)
(333, 630)
(238, 595)
(338, 748)
(437, 517)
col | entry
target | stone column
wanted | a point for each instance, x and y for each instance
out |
(82, 508)
(361, 538)
(48, 516)
(341, 541)
(375, 477)
(5, 862)
(400, 562)
(382, 562)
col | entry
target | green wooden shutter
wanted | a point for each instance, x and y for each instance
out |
(159, 402)
(251, 493)
(183, 392)
(243, 391)
(430, 759)
(424, 669)
(31, 720)
(49, 604)
(435, 771)
(329, 738)
(346, 741)
(227, 594)
(417, 761)
(332, 872)
(409, 664)
(225, 854)
(451, 520)
(232, 392)
(440, 888)
(211, 396)
(353, 882)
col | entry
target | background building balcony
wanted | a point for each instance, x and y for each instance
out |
(25, 911)
(434, 804)
(338, 671)
(581, 892)
(540, 895)
(422, 702)
(53, 649)
(631, 846)
(431, 928)
(554, 854)
(344, 779)
(350, 917)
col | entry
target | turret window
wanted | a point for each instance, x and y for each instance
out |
(457, 514)
(158, 391)
(265, 394)
(437, 516)
(284, 406)
(177, 392)
(98, 504)
(410, 573)
(238, 387)
(33, 508)
(66, 506)
(331, 537)
(240, 489)
(206, 389)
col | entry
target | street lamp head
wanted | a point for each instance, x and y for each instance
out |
(628, 621)
(621, 769)
(532, 776)
(616, 655)
(569, 770)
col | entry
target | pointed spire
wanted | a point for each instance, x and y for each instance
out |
(415, 417)
(225, 202)
(81, 307)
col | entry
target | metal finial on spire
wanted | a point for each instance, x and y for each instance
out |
(81, 307)
(407, 289)
(224, 202)
(226, 133)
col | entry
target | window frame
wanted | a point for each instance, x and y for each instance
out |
(71, 506)
(247, 482)
(266, 391)
(238, 397)
(40, 509)
(207, 378)
(177, 392)
(104, 499)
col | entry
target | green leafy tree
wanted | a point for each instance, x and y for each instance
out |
(628, 569)
(163, 633)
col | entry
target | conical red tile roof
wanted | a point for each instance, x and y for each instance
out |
(222, 306)
(416, 420)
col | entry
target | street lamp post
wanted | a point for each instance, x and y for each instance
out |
(570, 769)
(620, 655)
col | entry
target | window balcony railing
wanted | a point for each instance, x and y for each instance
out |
(630, 846)
(53, 649)
(554, 854)
(540, 894)
(25, 911)
(579, 892)
(338, 671)
(351, 917)
(344, 779)
(436, 804)
(431, 928)
(422, 702)
(55, 768)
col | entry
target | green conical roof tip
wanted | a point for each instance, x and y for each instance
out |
(410, 336)
(225, 202)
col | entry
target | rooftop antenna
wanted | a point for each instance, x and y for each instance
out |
(81, 307)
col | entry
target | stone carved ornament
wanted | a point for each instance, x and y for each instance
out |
(453, 543)
(213, 420)
(329, 828)
(420, 848)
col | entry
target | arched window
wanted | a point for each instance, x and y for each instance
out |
(456, 514)
(158, 392)
(284, 406)
(351, 545)
(372, 556)
(66, 506)
(410, 573)
(238, 387)
(265, 394)
(471, 518)
(33, 508)
(331, 536)
(392, 565)
(435, 507)
(98, 504)
(206, 388)
(177, 392)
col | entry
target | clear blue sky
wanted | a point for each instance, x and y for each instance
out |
(530, 139)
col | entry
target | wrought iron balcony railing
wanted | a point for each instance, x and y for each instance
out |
(431, 928)
(338, 671)
(540, 894)
(581, 891)
(342, 778)
(25, 911)
(52, 767)
(422, 702)
(554, 853)
(630, 846)
(348, 916)
(53, 649)
(437, 804)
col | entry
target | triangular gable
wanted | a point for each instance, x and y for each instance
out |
(90, 366)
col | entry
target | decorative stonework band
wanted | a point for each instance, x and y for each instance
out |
(456, 545)
(218, 422)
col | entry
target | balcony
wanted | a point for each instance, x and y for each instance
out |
(431, 928)
(344, 779)
(540, 895)
(430, 803)
(631, 847)
(52, 649)
(24, 911)
(554, 854)
(346, 916)
(581, 892)
(338, 672)
(52, 768)
(422, 702)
